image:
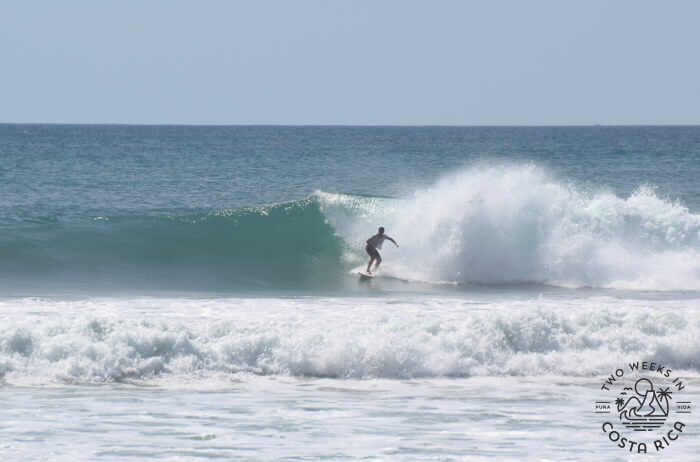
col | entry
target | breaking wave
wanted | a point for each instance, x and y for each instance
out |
(505, 225)
(483, 225)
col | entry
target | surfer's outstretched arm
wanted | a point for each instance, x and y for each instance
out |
(392, 241)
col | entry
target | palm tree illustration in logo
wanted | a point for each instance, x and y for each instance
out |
(647, 409)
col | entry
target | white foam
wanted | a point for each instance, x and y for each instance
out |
(117, 340)
(517, 224)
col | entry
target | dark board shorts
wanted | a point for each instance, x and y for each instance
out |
(373, 252)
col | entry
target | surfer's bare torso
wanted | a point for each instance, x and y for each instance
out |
(377, 240)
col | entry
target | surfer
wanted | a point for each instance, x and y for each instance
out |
(373, 243)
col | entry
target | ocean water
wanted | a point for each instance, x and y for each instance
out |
(190, 292)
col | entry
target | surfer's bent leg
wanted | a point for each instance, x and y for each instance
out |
(373, 255)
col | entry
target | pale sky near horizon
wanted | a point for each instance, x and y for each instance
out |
(498, 62)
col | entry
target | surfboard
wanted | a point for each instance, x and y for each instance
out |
(364, 275)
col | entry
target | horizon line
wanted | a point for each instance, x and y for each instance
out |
(158, 124)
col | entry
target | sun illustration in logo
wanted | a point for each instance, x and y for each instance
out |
(646, 409)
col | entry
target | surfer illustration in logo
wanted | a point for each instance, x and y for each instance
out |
(646, 409)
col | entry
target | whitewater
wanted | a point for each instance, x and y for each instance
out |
(515, 224)
(116, 340)
(178, 300)
(408, 376)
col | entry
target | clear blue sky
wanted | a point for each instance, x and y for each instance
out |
(355, 62)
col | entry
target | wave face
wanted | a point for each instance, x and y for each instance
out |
(280, 245)
(202, 340)
(510, 224)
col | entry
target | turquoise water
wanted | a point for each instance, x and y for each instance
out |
(190, 292)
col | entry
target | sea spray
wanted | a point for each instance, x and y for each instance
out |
(518, 224)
